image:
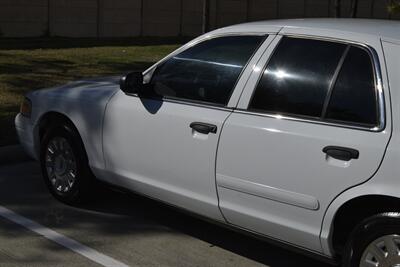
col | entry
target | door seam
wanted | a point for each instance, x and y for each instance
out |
(216, 164)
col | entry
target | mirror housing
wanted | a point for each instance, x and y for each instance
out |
(132, 83)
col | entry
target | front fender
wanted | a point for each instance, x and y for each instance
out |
(84, 104)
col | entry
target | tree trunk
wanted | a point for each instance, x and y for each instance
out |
(354, 7)
(338, 8)
(141, 18)
(48, 30)
(372, 9)
(248, 10)
(278, 15)
(99, 18)
(181, 18)
(206, 16)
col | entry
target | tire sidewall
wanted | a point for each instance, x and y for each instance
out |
(81, 181)
(367, 232)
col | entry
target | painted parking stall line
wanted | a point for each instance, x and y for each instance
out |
(60, 239)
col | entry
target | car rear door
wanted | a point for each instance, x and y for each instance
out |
(163, 143)
(310, 124)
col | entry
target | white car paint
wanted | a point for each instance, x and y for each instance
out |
(138, 140)
(265, 174)
(84, 104)
(284, 159)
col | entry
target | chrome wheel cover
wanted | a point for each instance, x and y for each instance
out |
(383, 252)
(60, 165)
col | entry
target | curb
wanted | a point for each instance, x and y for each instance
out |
(13, 154)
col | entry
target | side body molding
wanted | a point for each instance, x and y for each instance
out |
(268, 192)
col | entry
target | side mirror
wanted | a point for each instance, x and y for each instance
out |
(132, 83)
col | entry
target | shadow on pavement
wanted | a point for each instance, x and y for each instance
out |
(173, 218)
(122, 215)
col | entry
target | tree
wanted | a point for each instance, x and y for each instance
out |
(394, 7)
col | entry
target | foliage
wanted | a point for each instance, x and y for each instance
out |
(394, 8)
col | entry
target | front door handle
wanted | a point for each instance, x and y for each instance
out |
(341, 153)
(204, 128)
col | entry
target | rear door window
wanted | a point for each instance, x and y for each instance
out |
(324, 80)
(297, 78)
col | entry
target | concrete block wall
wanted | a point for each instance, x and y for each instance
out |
(73, 18)
(233, 11)
(192, 17)
(23, 18)
(161, 18)
(230, 12)
(291, 9)
(129, 18)
(318, 8)
(263, 9)
(120, 18)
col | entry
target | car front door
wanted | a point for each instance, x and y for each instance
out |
(163, 143)
(310, 125)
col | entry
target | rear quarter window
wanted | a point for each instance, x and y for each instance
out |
(297, 78)
(354, 98)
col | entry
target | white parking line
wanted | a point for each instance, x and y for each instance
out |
(60, 239)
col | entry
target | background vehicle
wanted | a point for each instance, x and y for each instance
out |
(285, 129)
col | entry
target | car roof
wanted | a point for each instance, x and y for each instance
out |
(383, 28)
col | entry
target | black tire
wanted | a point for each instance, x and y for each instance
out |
(79, 192)
(366, 232)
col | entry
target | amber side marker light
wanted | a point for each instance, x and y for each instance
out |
(26, 108)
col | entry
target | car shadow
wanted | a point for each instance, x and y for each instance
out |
(112, 215)
(120, 203)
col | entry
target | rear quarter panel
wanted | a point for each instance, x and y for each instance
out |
(387, 179)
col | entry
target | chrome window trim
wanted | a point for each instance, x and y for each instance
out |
(187, 103)
(312, 121)
(199, 40)
(198, 104)
(378, 87)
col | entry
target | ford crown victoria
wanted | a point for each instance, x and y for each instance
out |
(288, 129)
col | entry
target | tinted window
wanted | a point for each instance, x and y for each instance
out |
(206, 72)
(297, 78)
(353, 97)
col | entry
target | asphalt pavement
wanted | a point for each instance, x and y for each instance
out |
(130, 229)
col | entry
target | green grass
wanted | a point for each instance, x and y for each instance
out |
(32, 64)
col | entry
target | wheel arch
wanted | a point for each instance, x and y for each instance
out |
(49, 118)
(350, 209)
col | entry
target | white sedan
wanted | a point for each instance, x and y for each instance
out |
(286, 129)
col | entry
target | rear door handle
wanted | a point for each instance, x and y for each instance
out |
(204, 128)
(341, 153)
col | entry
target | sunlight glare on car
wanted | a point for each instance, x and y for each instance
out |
(279, 74)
